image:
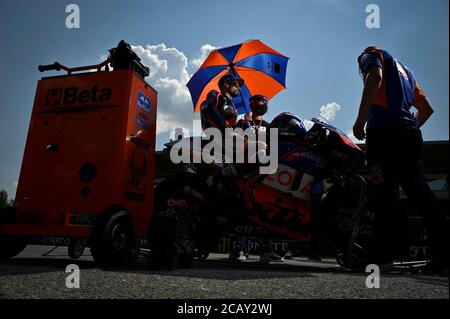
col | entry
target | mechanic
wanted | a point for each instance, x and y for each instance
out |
(394, 143)
(259, 105)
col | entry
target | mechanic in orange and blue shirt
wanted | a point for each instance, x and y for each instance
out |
(394, 143)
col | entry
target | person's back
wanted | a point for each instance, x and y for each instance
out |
(394, 143)
(399, 90)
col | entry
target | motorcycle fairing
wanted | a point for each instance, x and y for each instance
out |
(281, 202)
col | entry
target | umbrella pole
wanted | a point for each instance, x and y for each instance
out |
(243, 101)
(240, 92)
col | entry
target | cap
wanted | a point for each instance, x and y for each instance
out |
(230, 78)
(257, 98)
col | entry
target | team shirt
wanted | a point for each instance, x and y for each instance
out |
(399, 90)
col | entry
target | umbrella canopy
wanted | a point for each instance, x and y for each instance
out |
(262, 69)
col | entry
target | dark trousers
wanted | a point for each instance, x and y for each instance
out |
(398, 150)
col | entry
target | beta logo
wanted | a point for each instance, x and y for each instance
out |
(74, 95)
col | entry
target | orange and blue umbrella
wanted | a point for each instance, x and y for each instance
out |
(262, 68)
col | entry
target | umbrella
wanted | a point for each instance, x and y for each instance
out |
(262, 69)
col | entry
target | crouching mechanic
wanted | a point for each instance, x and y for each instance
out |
(259, 105)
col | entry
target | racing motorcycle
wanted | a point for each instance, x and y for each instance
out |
(191, 214)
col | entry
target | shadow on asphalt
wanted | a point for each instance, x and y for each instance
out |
(25, 266)
(439, 281)
(218, 268)
(413, 276)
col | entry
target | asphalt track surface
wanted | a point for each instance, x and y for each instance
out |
(32, 275)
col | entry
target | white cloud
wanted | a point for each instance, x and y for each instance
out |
(328, 112)
(204, 51)
(169, 76)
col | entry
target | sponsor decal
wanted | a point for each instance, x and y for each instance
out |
(143, 107)
(142, 123)
(76, 96)
(143, 102)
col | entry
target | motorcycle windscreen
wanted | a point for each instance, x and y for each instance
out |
(343, 137)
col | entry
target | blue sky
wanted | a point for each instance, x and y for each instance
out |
(321, 37)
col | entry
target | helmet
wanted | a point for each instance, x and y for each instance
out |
(289, 125)
(259, 104)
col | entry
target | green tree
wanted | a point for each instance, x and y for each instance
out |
(12, 203)
(3, 199)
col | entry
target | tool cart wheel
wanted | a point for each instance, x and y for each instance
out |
(10, 246)
(112, 238)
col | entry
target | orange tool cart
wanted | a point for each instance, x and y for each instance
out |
(88, 167)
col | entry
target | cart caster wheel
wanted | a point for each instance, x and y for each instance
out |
(187, 255)
(76, 248)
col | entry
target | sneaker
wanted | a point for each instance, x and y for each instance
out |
(289, 255)
(239, 256)
(267, 257)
